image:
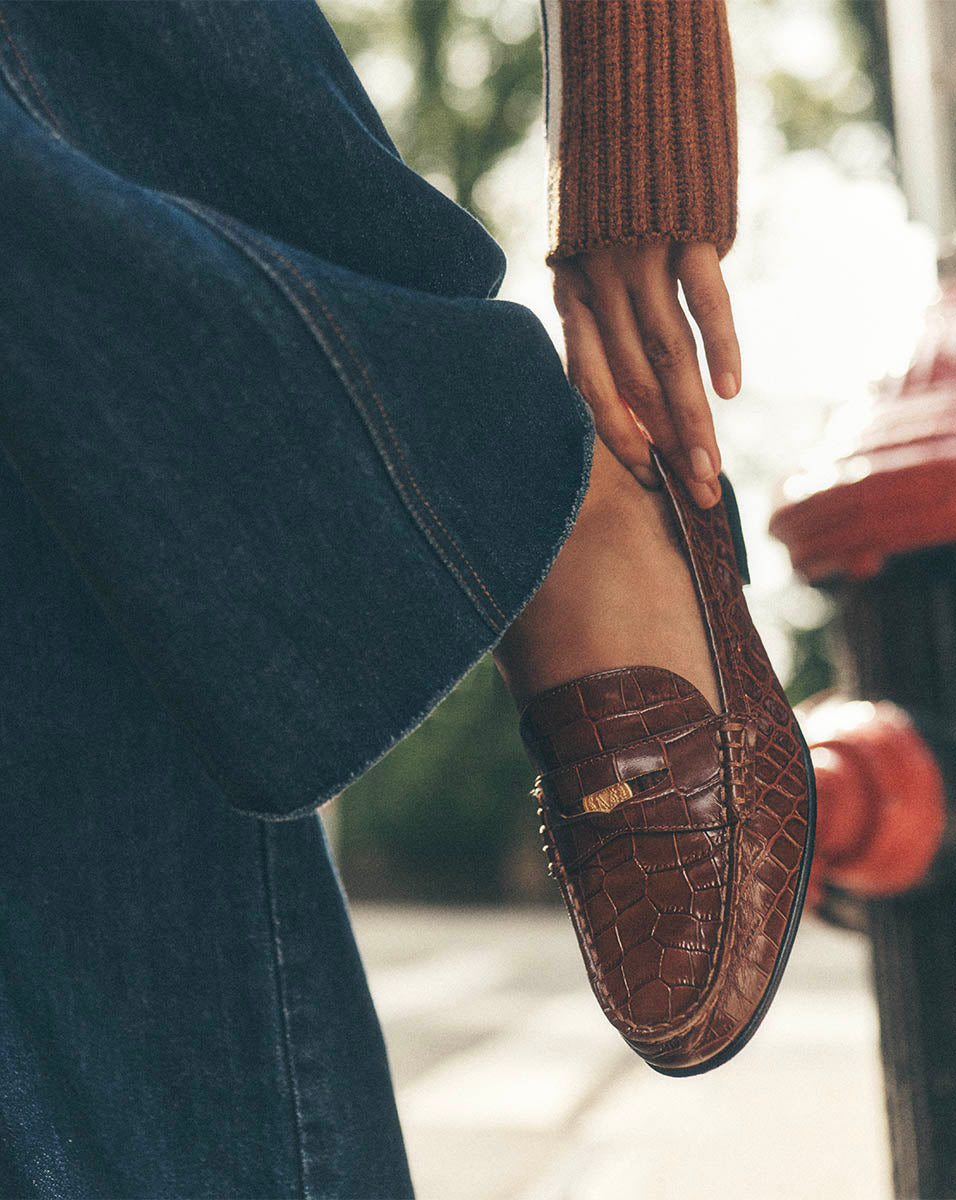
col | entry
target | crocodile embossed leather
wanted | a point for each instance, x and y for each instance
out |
(681, 837)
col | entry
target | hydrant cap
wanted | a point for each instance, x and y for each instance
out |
(886, 481)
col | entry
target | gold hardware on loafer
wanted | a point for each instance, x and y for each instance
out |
(607, 798)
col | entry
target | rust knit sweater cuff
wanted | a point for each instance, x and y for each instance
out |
(642, 123)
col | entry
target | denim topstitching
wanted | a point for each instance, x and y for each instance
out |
(223, 225)
(52, 121)
(310, 287)
(283, 1009)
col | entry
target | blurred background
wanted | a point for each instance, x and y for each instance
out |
(828, 280)
(509, 1082)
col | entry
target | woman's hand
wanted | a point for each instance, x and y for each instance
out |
(631, 351)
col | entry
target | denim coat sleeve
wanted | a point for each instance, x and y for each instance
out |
(257, 384)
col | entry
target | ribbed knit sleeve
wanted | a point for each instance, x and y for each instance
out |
(642, 123)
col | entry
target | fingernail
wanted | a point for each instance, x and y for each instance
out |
(727, 385)
(705, 495)
(701, 465)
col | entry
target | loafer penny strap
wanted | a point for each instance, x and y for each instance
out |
(682, 761)
(680, 783)
(576, 839)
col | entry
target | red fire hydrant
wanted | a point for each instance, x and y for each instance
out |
(874, 526)
(880, 798)
(888, 491)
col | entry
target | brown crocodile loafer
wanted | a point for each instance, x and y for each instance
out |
(681, 837)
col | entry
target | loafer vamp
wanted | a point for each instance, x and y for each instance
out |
(639, 836)
(652, 907)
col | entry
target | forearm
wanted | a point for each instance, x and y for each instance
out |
(642, 123)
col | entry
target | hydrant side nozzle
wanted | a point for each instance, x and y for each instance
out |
(880, 797)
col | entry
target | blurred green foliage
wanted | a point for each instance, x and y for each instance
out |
(813, 108)
(446, 815)
(812, 668)
(474, 86)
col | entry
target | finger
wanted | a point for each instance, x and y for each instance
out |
(633, 375)
(588, 370)
(698, 269)
(669, 344)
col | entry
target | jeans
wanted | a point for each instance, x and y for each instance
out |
(277, 470)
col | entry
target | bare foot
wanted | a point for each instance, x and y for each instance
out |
(620, 594)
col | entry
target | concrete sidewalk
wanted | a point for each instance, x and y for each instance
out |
(512, 1086)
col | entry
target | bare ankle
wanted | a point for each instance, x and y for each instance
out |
(610, 481)
(619, 594)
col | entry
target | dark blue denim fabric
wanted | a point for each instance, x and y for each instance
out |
(182, 1008)
(309, 496)
(277, 470)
